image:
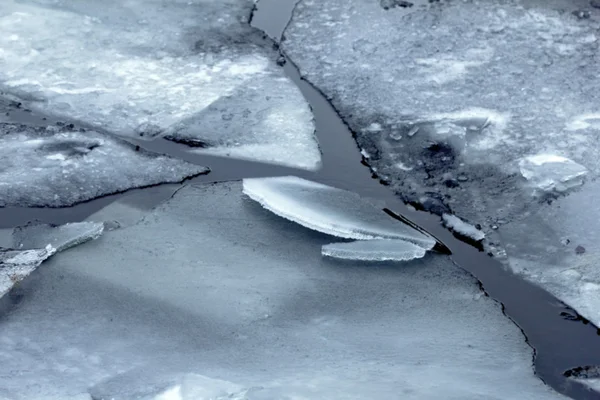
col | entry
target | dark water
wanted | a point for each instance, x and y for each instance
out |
(560, 343)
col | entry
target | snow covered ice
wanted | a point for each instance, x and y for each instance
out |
(58, 166)
(374, 250)
(32, 244)
(211, 284)
(194, 71)
(487, 121)
(452, 113)
(329, 210)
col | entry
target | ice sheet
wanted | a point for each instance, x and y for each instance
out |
(60, 166)
(374, 250)
(188, 69)
(210, 283)
(329, 210)
(448, 111)
(16, 265)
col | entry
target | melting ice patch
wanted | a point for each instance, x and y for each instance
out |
(58, 167)
(374, 250)
(222, 291)
(35, 243)
(149, 68)
(329, 210)
(550, 172)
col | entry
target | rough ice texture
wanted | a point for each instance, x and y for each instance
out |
(16, 265)
(461, 227)
(558, 248)
(240, 295)
(329, 210)
(550, 173)
(58, 167)
(374, 250)
(445, 109)
(62, 237)
(33, 244)
(193, 70)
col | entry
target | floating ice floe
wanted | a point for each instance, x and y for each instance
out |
(35, 243)
(212, 284)
(192, 71)
(329, 210)
(552, 173)
(374, 250)
(59, 166)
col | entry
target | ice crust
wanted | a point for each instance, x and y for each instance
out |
(59, 166)
(240, 295)
(374, 250)
(489, 120)
(329, 210)
(193, 70)
(35, 243)
(452, 113)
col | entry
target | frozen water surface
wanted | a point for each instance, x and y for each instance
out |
(193, 71)
(489, 120)
(209, 283)
(33, 244)
(329, 210)
(58, 166)
(448, 111)
(374, 250)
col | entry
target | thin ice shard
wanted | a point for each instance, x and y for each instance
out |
(329, 210)
(374, 250)
(35, 243)
(194, 71)
(35, 236)
(16, 265)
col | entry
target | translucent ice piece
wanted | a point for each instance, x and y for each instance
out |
(329, 210)
(35, 236)
(549, 172)
(374, 250)
(16, 265)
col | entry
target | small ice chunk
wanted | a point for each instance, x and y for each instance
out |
(374, 250)
(461, 227)
(549, 172)
(35, 236)
(329, 210)
(34, 243)
(16, 265)
(90, 165)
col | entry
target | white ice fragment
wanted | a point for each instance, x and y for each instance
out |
(34, 243)
(461, 227)
(584, 121)
(62, 237)
(374, 250)
(550, 172)
(329, 210)
(16, 265)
